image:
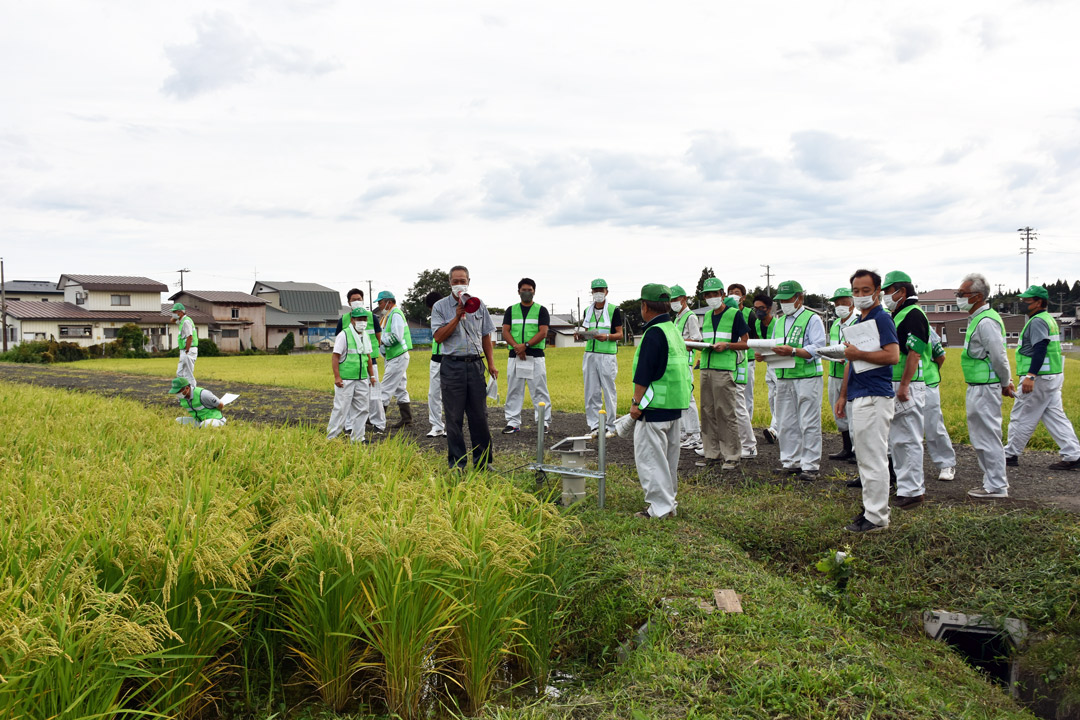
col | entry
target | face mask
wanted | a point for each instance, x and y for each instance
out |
(526, 296)
(174, 316)
(598, 297)
(360, 326)
(842, 311)
(459, 289)
(715, 302)
(963, 303)
(864, 302)
(889, 302)
(356, 304)
(762, 313)
(787, 308)
(676, 306)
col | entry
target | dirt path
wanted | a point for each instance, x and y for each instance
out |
(1031, 484)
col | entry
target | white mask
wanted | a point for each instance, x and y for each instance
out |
(459, 289)
(842, 311)
(889, 302)
(360, 326)
(676, 306)
(963, 303)
(787, 308)
(715, 302)
(598, 297)
(356, 304)
(864, 302)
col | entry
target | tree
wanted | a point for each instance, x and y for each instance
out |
(631, 310)
(706, 273)
(427, 281)
(287, 344)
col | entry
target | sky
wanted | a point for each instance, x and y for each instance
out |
(342, 142)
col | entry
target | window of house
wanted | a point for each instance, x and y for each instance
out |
(110, 333)
(121, 300)
(13, 299)
(75, 331)
(80, 298)
(235, 313)
(230, 333)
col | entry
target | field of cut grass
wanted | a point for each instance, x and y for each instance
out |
(312, 372)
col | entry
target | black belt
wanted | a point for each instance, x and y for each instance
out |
(463, 358)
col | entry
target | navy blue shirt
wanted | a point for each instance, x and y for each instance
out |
(652, 362)
(876, 382)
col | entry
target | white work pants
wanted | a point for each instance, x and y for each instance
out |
(689, 423)
(350, 404)
(984, 431)
(531, 371)
(770, 385)
(185, 367)
(906, 442)
(747, 441)
(1042, 403)
(834, 395)
(376, 410)
(748, 389)
(213, 422)
(870, 421)
(434, 397)
(938, 444)
(600, 371)
(656, 455)
(395, 382)
(798, 409)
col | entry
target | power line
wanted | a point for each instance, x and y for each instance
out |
(185, 270)
(1028, 235)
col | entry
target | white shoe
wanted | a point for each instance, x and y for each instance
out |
(609, 434)
(699, 451)
(436, 433)
(984, 494)
(749, 455)
(594, 434)
(947, 474)
(687, 443)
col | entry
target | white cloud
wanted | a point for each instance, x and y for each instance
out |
(913, 42)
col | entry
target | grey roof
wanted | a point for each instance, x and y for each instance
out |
(563, 321)
(310, 298)
(226, 297)
(115, 282)
(36, 310)
(38, 287)
(277, 318)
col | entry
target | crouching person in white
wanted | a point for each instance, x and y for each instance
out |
(203, 407)
(353, 378)
(661, 392)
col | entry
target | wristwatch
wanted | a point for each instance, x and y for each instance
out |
(1029, 376)
(635, 402)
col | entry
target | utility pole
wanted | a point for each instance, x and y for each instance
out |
(185, 270)
(768, 280)
(370, 300)
(1000, 285)
(3, 302)
(578, 308)
(1027, 236)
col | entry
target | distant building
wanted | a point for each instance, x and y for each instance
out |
(308, 310)
(238, 319)
(561, 332)
(32, 291)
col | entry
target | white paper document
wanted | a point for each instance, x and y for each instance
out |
(760, 345)
(865, 337)
(779, 362)
(590, 334)
(832, 352)
(228, 398)
(695, 345)
(524, 368)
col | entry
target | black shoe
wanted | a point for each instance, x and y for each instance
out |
(1065, 465)
(1013, 461)
(769, 435)
(855, 482)
(846, 453)
(862, 525)
(909, 501)
(509, 430)
(787, 470)
(807, 476)
(376, 431)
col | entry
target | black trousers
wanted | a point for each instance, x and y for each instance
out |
(464, 393)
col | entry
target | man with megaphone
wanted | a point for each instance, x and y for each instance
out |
(462, 326)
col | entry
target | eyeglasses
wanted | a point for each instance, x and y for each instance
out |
(960, 293)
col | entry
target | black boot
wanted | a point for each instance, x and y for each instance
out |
(406, 415)
(847, 453)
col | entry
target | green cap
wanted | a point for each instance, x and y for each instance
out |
(712, 285)
(731, 301)
(599, 283)
(385, 295)
(896, 276)
(841, 292)
(1036, 291)
(787, 290)
(178, 384)
(655, 292)
(177, 307)
(677, 291)
(358, 312)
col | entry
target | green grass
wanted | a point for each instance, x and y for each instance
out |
(312, 372)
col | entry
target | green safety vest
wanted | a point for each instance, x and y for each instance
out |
(980, 372)
(672, 390)
(711, 359)
(1053, 364)
(836, 369)
(186, 320)
(404, 344)
(924, 350)
(346, 320)
(803, 368)
(680, 325)
(600, 324)
(529, 323)
(436, 349)
(196, 409)
(353, 366)
(931, 374)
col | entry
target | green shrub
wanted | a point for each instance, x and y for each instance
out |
(27, 352)
(286, 345)
(46, 351)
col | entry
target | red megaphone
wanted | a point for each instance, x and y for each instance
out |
(470, 302)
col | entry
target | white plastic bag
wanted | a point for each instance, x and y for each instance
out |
(493, 389)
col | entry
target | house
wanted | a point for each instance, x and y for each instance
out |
(94, 307)
(561, 332)
(953, 331)
(32, 291)
(308, 310)
(938, 301)
(238, 320)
